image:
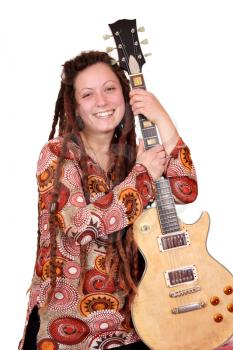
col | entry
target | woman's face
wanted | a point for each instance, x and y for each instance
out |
(99, 97)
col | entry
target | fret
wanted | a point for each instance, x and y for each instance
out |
(165, 200)
(166, 211)
(170, 230)
(149, 132)
(163, 183)
(151, 139)
(166, 191)
(149, 127)
(165, 219)
(169, 223)
(168, 217)
(145, 124)
(165, 206)
(151, 142)
(166, 197)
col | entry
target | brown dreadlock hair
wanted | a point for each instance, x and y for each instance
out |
(122, 252)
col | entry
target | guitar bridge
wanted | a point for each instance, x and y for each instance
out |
(183, 292)
(188, 307)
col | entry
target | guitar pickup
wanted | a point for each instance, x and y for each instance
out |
(173, 240)
(180, 276)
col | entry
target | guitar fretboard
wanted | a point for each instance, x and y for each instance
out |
(166, 207)
(169, 221)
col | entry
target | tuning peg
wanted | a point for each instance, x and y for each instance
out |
(145, 41)
(110, 49)
(141, 29)
(107, 36)
(147, 54)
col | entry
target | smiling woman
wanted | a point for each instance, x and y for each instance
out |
(93, 183)
(100, 97)
(101, 107)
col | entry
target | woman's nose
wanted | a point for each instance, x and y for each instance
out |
(100, 99)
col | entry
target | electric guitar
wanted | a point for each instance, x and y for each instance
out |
(185, 297)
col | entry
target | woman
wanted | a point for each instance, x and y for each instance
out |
(93, 184)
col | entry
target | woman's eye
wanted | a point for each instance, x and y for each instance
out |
(110, 88)
(86, 95)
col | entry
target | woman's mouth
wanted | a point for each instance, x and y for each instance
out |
(104, 114)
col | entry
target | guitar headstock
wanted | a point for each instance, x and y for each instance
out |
(125, 34)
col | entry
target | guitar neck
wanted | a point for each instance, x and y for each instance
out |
(131, 59)
(169, 221)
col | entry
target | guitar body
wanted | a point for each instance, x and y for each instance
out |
(198, 329)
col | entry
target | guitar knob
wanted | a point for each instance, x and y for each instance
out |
(215, 300)
(230, 307)
(145, 228)
(218, 318)
(228, 290)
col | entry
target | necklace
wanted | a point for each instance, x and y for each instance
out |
(104, 162)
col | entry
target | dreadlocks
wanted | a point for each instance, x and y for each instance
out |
(122, 253)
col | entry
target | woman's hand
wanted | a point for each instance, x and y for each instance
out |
(144, 102)
(153, 159)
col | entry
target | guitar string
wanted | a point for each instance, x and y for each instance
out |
(136, 56)
(124, 52)
(171, 256)
(173, 253)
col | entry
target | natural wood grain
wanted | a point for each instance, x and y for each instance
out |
(151, 310)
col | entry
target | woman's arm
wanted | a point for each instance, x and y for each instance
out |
(144, 102)
(179, 168)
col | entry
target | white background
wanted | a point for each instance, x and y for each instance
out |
(190, 71)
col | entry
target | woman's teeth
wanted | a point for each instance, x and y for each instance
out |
(104, 114)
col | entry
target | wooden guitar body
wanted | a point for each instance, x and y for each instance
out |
(199, 315)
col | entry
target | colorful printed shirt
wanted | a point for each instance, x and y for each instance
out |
(95, 319)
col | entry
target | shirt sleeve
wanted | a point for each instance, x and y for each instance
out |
(181, 174)
(108, 213)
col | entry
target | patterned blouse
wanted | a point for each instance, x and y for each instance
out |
(94, 319)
